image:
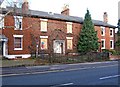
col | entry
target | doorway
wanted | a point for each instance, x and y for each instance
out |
(59, 46)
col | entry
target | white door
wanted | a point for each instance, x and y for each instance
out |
(57, 47)
(5, 49)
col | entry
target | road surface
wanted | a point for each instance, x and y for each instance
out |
(91, 74)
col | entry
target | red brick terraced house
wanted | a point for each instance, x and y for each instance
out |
(53, 33)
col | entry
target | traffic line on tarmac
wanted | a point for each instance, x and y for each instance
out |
(31, 73)
(66, 84)
(109, 77)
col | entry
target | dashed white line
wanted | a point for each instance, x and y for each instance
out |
(109, 77)
(66, 84)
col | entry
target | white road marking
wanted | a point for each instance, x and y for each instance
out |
(66, 84)
(107, 66)
(109, 77)
(32, 73)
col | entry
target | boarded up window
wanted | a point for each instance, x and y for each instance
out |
(44, 43)
(69, 43)
(69, 27)
(44, 26)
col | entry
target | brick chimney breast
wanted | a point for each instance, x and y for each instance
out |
(65, 10)
(105, 17)
(25, 7)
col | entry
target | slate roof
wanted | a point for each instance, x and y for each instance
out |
(56, 16)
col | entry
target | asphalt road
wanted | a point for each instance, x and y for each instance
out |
(90, 74)
(8, 71)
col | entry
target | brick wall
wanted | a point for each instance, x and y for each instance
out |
(106, 37)
(32, 25)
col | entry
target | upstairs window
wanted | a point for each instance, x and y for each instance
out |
(44, 25)
(69, 27)
(102, 31)
(111, 32)
(18, 22)
(1, 21)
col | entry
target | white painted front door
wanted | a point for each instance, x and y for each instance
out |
(5, 49)
(58, 46)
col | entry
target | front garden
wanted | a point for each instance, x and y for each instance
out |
(56, 59)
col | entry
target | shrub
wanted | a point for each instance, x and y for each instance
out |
(111, 51)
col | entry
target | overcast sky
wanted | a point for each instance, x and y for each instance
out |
(79, 7)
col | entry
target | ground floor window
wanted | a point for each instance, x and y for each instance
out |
(111, 44)
(44, 42)
(18, 39)
(103, 43)
(69, 43)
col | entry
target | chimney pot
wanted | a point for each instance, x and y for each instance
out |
(65, 10)
(105, 17)
(25, 7)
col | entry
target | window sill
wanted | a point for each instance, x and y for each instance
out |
(44, 49)
(102, 48)
(102, 35)
(69, 49)
(18, 49)
(69, 32)
(111, 36)
(18, 29)
(44, 31)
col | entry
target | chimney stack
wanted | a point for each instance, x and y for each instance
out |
(65, 10)
(105, 17)
(25, 7)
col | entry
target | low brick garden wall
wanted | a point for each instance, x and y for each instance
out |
(114, 57)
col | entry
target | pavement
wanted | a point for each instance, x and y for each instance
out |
(10, 71)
